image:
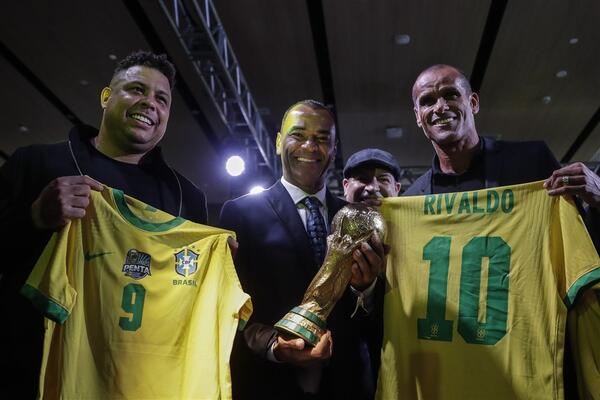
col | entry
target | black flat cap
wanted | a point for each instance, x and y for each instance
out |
(372, 156)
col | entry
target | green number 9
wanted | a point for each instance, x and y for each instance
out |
(133, 303)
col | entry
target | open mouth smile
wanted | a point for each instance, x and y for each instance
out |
(307, 160)
(142, 118)
(443, 121)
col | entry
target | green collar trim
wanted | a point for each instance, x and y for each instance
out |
(136, 221)
(582, 283)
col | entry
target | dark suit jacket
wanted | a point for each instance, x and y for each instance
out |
(275, 265)
(506, 163)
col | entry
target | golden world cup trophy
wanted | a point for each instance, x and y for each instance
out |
(352, 225)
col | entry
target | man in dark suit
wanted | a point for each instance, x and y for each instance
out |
(445, 108)
(276, 263)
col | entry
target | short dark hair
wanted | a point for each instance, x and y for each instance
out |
(159, 62)
(314, 104)
(464, 81)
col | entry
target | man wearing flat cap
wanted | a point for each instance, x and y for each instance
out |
(370, 175)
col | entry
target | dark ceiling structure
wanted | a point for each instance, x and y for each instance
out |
(241, 63)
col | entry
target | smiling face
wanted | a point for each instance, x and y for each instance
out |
(136, 112)
(444, 106)
(370, 182)
(306, 144)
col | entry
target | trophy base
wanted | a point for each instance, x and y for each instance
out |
(303, 324)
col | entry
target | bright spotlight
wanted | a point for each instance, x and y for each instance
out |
(235, 165)
(256, 189)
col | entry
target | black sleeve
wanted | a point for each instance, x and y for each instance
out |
(16, 196)
(548, 163)
(194, 202)
(230, 218)
(257, 337)
(592, 222)
(201, 216)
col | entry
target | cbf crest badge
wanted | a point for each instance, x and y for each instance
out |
(186, 262)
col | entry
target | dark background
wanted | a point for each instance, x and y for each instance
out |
(57, 56)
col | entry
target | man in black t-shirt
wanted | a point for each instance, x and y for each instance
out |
(46, 186)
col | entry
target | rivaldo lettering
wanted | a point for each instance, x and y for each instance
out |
(481, 202)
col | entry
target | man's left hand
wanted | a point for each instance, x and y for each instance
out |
(369, 261)
(575, 179)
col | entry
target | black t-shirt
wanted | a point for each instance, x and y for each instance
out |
(142, 181)
(472, 179)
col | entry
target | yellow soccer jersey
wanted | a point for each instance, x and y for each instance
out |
(145, 305)
(479, 288)
(584, 325)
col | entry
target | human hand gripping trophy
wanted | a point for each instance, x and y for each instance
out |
(351, 226)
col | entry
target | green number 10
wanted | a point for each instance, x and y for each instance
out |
(132, 302)
(434, 326)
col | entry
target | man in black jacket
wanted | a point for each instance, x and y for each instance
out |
(445, 108)
(46, 186)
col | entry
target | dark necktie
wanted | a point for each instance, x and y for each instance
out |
(315, 226)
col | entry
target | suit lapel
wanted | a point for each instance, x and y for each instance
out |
(428, 188)
(286, 211)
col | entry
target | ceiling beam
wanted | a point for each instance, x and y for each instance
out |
(202, 37)
(488, 39)
(147, 29)
(316, 17)
(38, 84)
(581, 138)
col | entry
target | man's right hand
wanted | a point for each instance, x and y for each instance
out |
(62, 200)
(297, 352)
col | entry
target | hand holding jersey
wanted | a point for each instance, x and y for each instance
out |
(445, 106)
(483, 279)
(62, 200)
(575, 179)
(45, 187)
(140, 304)
(137, 92)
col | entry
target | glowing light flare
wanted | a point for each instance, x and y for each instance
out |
(235, 165)
(256, 189)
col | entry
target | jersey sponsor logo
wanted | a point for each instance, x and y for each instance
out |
(137, 264)
(186, 262)
(470, 203)
(90, 256)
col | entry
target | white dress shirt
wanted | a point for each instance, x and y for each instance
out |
(298, 195)
(309, 378)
